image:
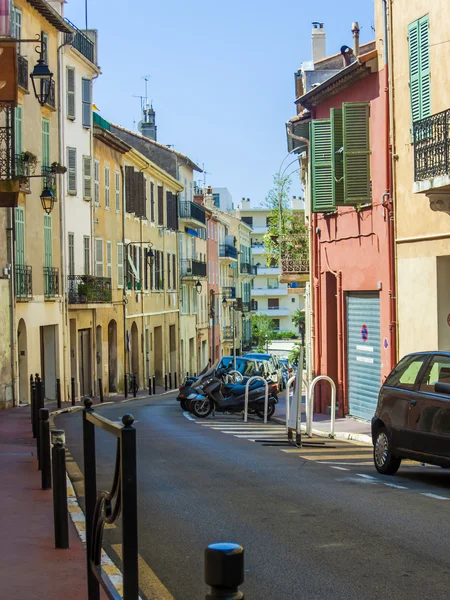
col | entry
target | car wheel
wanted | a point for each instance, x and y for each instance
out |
(385, 462)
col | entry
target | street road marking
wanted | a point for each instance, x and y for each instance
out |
(365, 476)
(435, 496)
(149, 583)
(324, 448)
(397, 487)
(188, 416)
(340, 468)
(333, 456)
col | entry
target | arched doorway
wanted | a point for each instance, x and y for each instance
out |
(112, 356)
(134, 349)
(23, 363)
(99, 353)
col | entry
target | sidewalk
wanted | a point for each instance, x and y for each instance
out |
(347, 428)
(31, 568)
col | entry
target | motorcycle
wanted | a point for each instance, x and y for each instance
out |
(211, 393)
(186, 388)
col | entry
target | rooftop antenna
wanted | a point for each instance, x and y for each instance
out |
(205, 173)
(144, 99)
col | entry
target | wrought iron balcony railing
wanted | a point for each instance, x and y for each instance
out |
(246, 306)
(191, 210)
(7, 163)
(229, 293)
(48, 176)
(22, 72)
(81, 42)
(294, 266)
(192, 268)
(247, 268)
(227, 332)
(432, 146)
(227, 251)
(24, 282)
(23, 172)
(85, 289)
(51, 282)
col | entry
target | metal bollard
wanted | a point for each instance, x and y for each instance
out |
(134, 376)
(100, 389)
(32, 405)
(73, 391)
(175, 380)
(154, 385)
(38, 404)
(170, 381)
(44, 437)
(187, 374)
(195, 374)
(165, 382)
(58, 393)
(224, 571)
(125, 384)
(60, 515)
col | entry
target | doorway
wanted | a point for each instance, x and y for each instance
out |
(135, 350)
(48, 360)
(112, 357)
(99, 353)
(172, 350)
(84, 362)
(158, 353)
(23, 362)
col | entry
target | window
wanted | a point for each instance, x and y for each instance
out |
(248, 220)
(87, 254)
(273, 303)
(70, 81)
(18, 128)
(48, 242)
(419, 68)
(273, 283)
(120, 278)
(19, 214)
(160, 205)
(16, 25)
(438, 371)
(152, 202)
(72, 171)
(86, 102)
(45, 143)
(169, 266)
(117, 182)
(71, 254)
(109, 259)
(87, 178)
(216, 198)
(44, 38)
(405, 373)
(99, 257)
(174, 272)
(106, 187)
(97, 182)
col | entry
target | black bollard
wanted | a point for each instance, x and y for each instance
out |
(39, 403)
(149, 386)
(170, 381)
(44, 437)
(100, 389)
(73, 391)
(58, 393)
(154, 384)
(175, 378)
(134, 376)
(187, 374)
(60, 515)
(165, 382)
(32, 405)
(195, 374)
(224, 571)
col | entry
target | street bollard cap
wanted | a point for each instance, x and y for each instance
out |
(43, 413)
(58, 437)
(224, 565)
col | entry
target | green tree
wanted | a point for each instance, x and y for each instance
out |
(298, 318)
(294, 354)
(262, 331)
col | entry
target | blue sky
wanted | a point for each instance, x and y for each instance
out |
(221, 74)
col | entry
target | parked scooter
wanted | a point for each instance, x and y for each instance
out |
(213, 394)
(185, 388)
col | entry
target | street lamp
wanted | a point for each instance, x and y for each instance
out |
(41, 78)
(198, 287)
(47, 200)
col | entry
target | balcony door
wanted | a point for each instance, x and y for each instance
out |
(48, 254)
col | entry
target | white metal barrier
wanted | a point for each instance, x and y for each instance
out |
(237, 377)
(309, 417)
(266, 399)
(288, 403)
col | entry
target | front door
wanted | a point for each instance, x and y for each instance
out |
(84, 362)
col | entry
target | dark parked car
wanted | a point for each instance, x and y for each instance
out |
(412, 419)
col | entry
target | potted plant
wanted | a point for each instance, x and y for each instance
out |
(29, 160)
(57, 168)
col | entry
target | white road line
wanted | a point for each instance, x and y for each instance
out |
(188, 416)
(365, 476)
(435, 496)
(397, 487)
(340, 468)
(256, 436)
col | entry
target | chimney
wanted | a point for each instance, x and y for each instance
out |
(318, 42)
(208, 198)
(148, 125)
(355, 31)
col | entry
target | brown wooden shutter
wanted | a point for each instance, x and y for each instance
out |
(130, 189)
(152, 202)
(160, 205)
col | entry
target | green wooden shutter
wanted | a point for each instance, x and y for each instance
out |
(337, 155)
(419, 68)
(356, 153)
(321, 167)
(48, 253)
(45, 143)
(20, 235)
(18, 128)
(414, 73)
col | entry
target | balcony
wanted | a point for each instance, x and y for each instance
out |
(190, 268)
(51, 282)
(23, 172)
(275, 312)
(22, 72)
(229, 293)
(269, 291)
(295, 288)
(9, 186)
(192, 214)
(23, 282)
(265, 270)
(294, 269)
(228, 253)
(87, 289)
(248, 269)
(227, 333)
(82, 43)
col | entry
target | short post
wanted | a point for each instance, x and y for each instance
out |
(100, 389)
(73, 391)
(60, 515)
(170, 381)
(175, 380)
(128, 477)
(125, 385)
(224, 571)
(187, 374)
(32, 405)
(149, 386)
(44, 437)
(58, 393)
(195, 374)
(134, 376)
(165, 382)
(39, 403)
(154, 385)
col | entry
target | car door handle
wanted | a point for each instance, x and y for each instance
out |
(413, 402)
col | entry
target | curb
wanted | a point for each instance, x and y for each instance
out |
(361, 438)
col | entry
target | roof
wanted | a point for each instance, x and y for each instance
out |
(52, 16)
(356, 70)
(110, 139)
(185, 158)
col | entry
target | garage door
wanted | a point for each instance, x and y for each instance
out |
(363, 354)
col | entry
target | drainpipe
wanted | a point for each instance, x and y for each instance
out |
(124, 298)
(10, 235)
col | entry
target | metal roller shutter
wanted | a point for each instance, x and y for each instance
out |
(363, 354)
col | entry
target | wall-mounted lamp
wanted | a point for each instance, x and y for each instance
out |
(47, 200)
(198, 287)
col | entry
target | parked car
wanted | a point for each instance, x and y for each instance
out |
(276, 373)
(245, 366)
(412, 419)
(288, 370)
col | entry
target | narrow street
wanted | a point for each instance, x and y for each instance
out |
(311, 528)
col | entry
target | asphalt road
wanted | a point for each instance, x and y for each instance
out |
(310, 531)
